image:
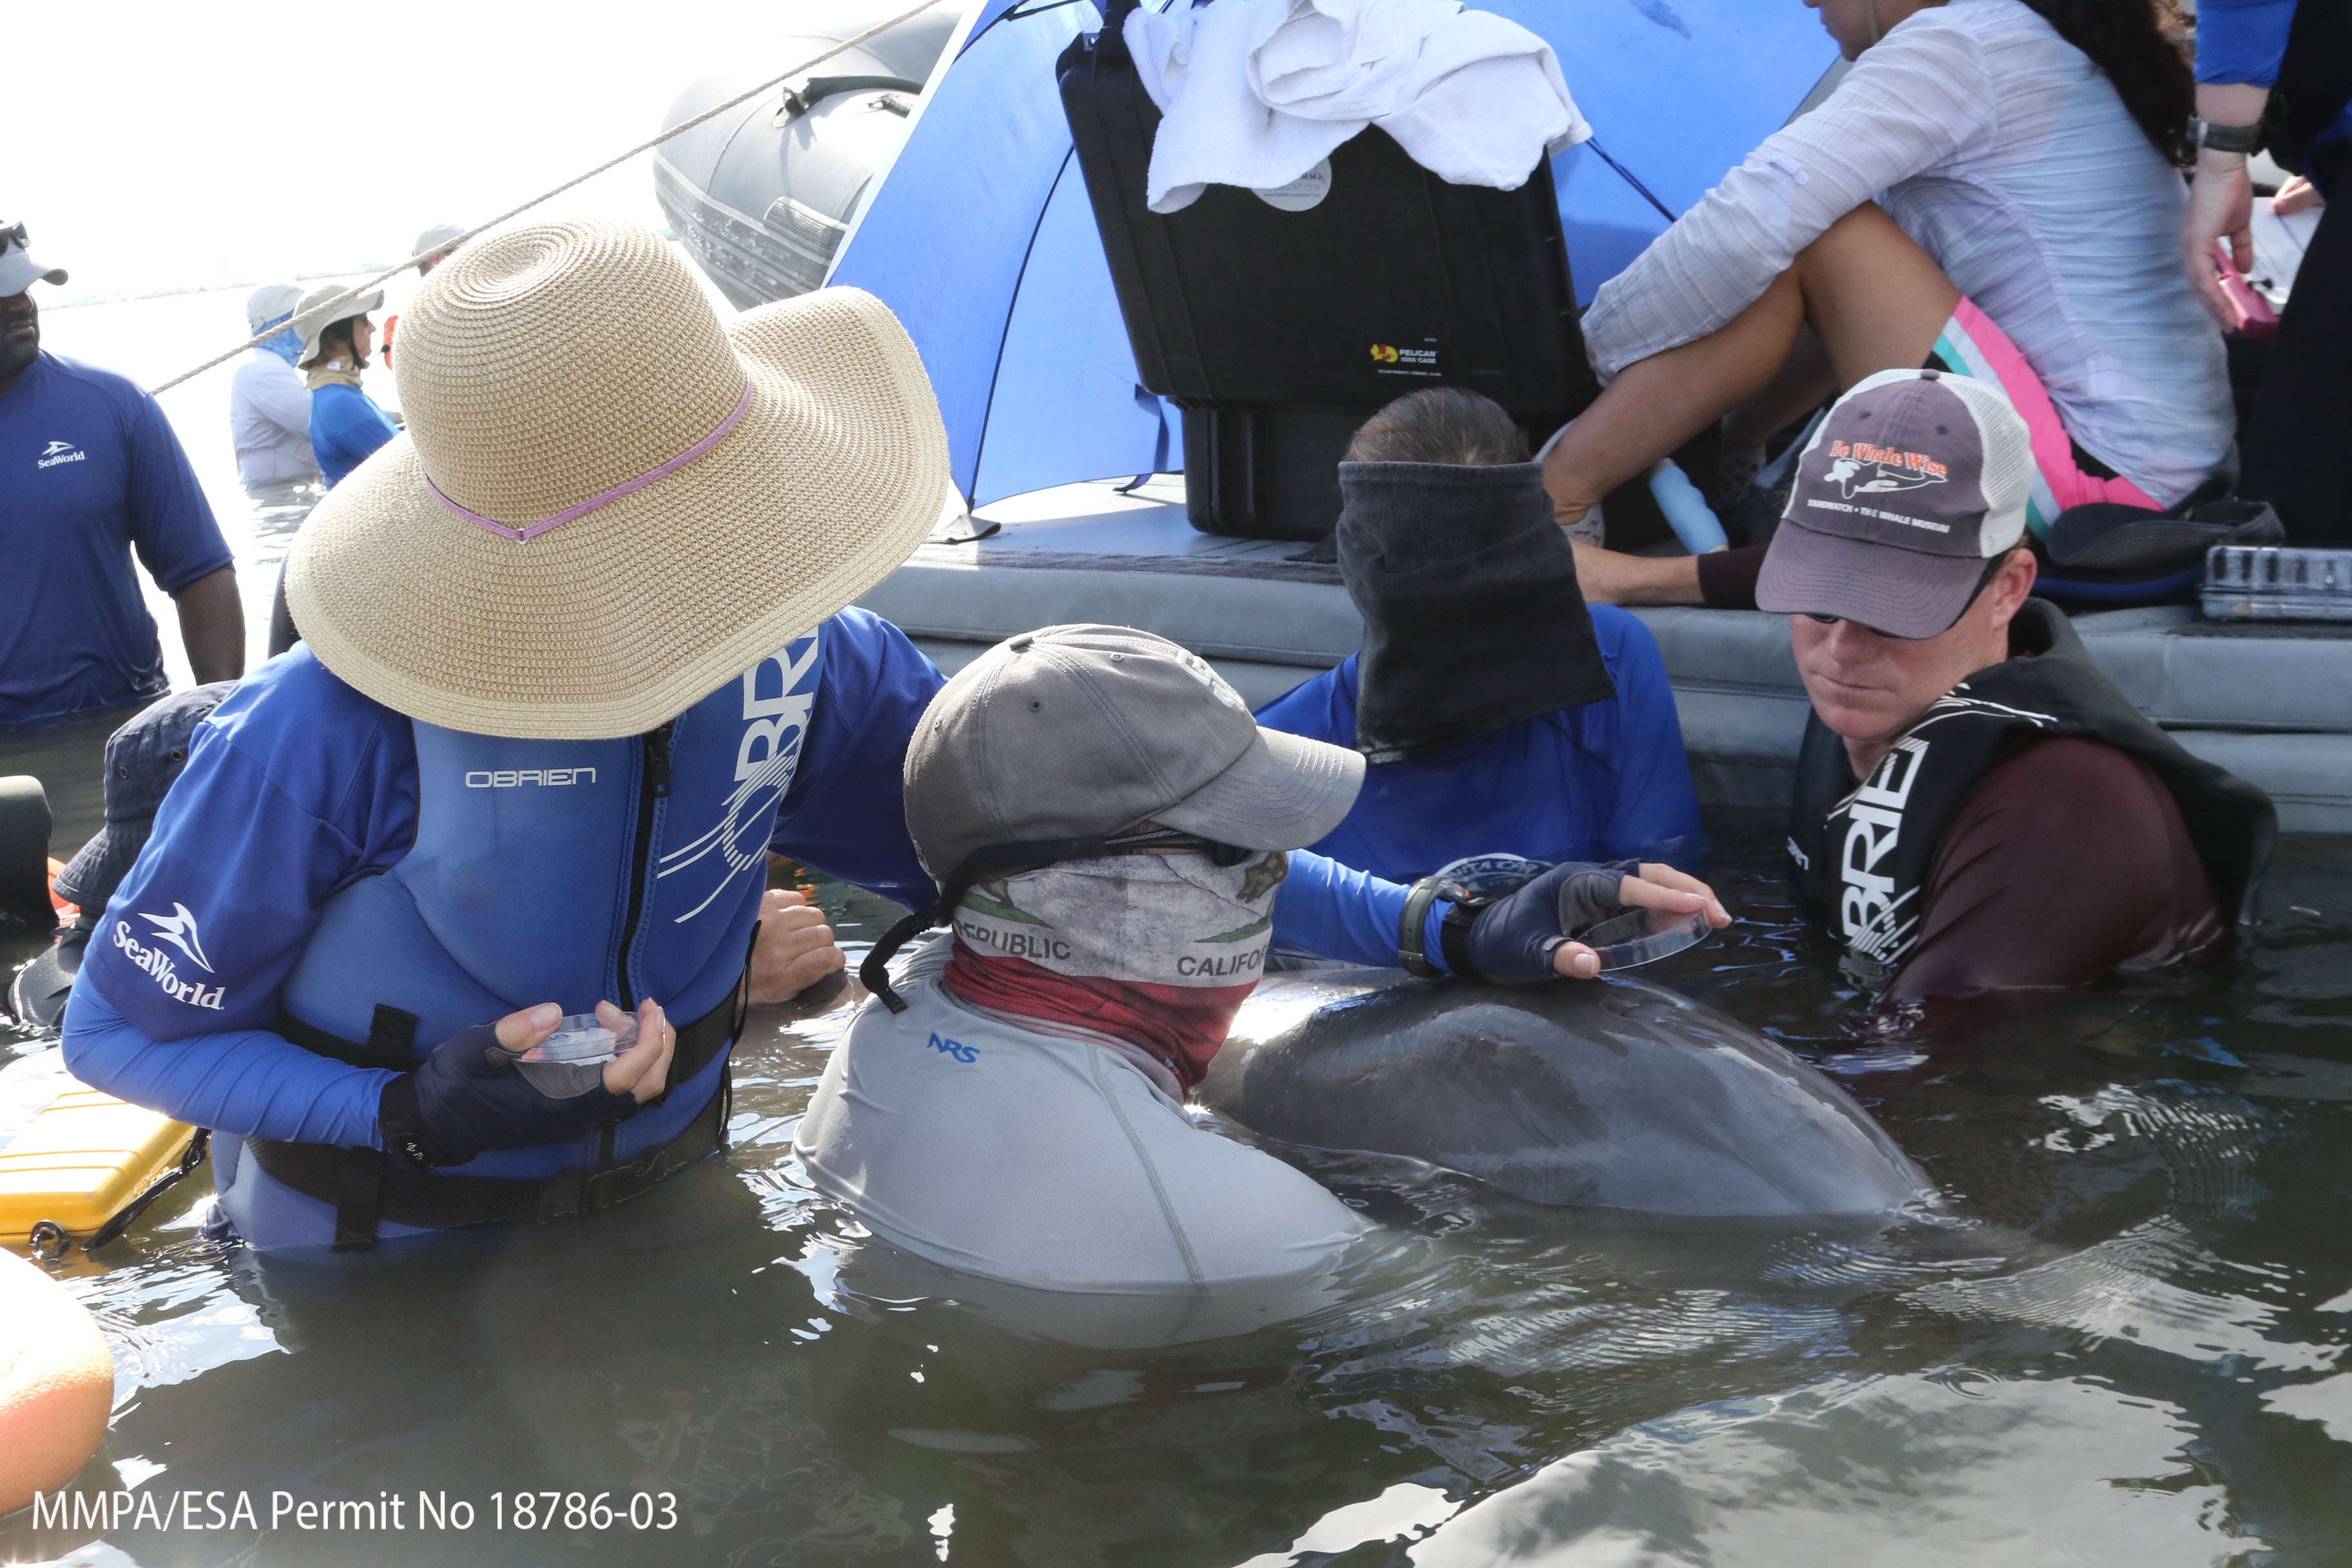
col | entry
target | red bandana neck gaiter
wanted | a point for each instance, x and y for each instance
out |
(1156, 951)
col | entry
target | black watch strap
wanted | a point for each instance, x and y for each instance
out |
(2225, 138)
(1453, 931)
(1410, 951)
(1453, 938)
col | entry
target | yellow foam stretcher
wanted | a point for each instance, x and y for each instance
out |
(82, 1160)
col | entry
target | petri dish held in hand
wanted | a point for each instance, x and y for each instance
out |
(1644, 936)
(580, 1038)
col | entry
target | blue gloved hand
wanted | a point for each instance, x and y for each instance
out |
(1512, 941)
(473, 1093)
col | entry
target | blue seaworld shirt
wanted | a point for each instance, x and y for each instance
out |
(346, 427)
(90, 473)
(297, 787)
(1607, 781)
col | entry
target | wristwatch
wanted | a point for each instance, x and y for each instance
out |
(2203, 133)
(1416, 913)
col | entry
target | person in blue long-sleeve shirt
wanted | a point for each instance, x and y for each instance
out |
(2291, 59)
(1496, 713)
(346, 425)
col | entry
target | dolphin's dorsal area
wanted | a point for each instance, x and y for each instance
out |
(1611, 1094)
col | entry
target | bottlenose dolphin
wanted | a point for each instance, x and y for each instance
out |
(1604, 1094)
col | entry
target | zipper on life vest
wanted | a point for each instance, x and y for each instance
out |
(653, 786)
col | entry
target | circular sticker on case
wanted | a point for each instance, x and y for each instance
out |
(1307, 191)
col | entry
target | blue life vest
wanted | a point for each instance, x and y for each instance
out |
(572, 871)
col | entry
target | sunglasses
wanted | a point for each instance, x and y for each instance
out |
(1984, 581)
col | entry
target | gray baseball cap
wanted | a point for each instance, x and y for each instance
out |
(1915, 480)
(1078, 731)
(18, 271)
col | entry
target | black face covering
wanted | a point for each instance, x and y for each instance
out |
(1473, 620)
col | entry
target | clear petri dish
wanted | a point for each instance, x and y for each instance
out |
(580, 1039)
(1644, 936)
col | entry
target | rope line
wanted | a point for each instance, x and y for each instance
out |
(320, 313)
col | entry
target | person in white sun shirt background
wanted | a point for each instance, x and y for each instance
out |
(269, 409)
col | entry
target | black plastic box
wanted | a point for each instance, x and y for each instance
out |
(1278, 332)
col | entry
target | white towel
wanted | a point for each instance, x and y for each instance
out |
(1256, 92)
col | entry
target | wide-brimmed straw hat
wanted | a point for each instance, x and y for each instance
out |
(607, 504)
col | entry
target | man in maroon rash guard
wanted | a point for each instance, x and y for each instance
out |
(1978, 810)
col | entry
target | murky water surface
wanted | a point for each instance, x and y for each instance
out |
(2121, 1341)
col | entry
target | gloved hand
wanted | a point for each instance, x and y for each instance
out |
(1528, 935)
(473, 1092)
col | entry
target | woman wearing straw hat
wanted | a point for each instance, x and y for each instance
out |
(576, 655)
(346, 425)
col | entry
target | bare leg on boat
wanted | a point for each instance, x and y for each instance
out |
(1873, 300)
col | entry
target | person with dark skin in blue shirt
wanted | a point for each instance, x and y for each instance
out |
(1497, 713)
(92, 474)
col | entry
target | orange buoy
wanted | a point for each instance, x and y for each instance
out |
(67, 912)
(56, 1384)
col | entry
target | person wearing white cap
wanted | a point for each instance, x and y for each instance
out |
(436, 244)
(269, 409)
(346, 425)
(91, 472)
(576, 656)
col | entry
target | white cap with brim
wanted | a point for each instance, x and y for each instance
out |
(436, 239)
(269, 302)
(20, 271)
(311, 317)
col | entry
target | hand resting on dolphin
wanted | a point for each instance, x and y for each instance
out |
(1612, 1094)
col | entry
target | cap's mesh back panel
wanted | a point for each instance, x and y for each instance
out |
(2008, 461)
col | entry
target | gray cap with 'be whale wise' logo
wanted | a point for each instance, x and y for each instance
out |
(1915, 480)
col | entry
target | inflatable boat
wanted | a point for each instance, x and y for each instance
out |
(2270, 701)
(761, 196)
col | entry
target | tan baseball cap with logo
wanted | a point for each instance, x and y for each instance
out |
(1912, 484)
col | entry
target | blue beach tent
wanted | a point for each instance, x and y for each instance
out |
(981, 241)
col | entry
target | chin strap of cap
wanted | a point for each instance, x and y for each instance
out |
(993, 860)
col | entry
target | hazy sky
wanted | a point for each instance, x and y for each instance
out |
(230, 142)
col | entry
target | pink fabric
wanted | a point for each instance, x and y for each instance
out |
(604, 497)
(1973, 345)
